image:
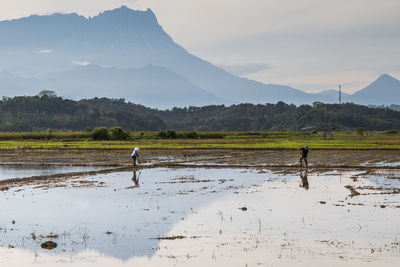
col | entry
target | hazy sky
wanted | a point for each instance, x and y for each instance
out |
(311, 45)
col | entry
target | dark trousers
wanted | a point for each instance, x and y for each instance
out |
(305, 160)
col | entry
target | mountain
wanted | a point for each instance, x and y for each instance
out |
(137, 84)
(383, 91)
(150, 85)
(12, 85)
(120, 38)
(124, 39)
(130, 56)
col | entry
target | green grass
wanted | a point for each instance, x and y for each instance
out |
(233, 140)
(43, 135)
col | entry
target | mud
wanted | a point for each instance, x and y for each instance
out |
(170, 237)
(114, 160)
(49, 245)
(121, 157)
(353, 191)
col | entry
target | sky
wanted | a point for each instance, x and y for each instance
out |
(312, 45)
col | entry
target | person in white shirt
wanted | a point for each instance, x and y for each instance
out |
(135, 156)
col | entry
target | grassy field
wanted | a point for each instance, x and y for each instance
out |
(239, 140)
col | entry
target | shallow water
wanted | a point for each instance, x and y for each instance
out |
(223, 217)
(8, 172)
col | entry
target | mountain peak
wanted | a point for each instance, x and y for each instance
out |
(127, 15)
(383, 91)
(125, 9)
(386, 77)
(386, 80)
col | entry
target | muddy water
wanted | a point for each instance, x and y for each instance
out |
(9, 172)
(219, 217)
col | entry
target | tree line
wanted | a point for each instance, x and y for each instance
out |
(49, 111)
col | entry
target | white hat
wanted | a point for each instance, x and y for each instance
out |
(137, 149)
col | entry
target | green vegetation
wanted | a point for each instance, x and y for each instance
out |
(47, 111)
(170, 134)
(391, 131)
(115, 133)
(49, 121)
(360, 131)
(64, 136)
(100, 133)
(118, 133)
(281, 116)
(240, 140)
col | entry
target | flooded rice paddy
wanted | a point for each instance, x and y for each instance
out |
(10, 172)
(196, 216)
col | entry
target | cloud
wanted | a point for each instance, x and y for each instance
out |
(45, 51)
(81, 63)
(245, 69)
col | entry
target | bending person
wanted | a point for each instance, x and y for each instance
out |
(135, 156)
(304, 154)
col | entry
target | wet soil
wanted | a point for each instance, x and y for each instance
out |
(114, 160)
(49, 245)
(121, 157)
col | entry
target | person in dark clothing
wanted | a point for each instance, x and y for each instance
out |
(304, 153)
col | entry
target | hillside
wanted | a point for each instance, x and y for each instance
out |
(38, 113)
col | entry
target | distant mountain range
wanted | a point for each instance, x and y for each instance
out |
(125, 53)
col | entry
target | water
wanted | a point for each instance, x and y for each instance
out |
(222, 217)
(8, 172)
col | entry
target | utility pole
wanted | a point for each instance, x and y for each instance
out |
(340, 94)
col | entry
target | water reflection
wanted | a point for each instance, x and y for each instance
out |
(130, 221)
(304, 179)
(135, 180)
(9, 172)
(181, 217)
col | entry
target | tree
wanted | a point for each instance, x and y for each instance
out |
(360, 131)
(100, 133)
(47, 93)
(162, 134)
(171, 134)
(118, 133)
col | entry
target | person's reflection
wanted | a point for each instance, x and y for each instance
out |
(304, 181)
(135, 179)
